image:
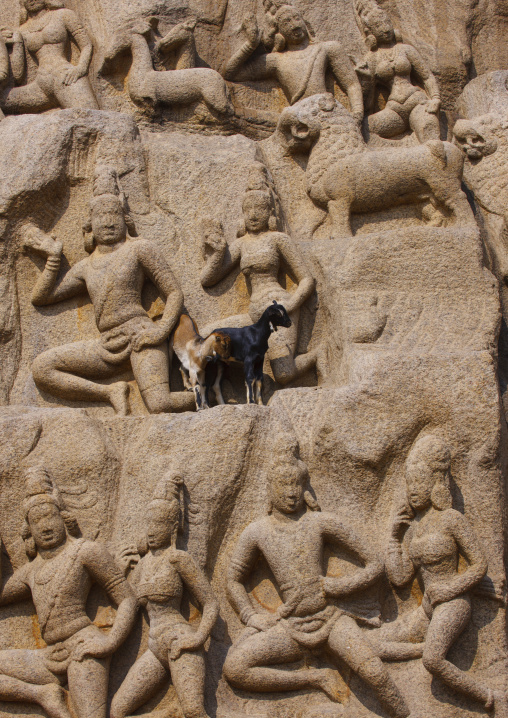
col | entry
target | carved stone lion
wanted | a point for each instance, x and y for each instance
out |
(345, 176)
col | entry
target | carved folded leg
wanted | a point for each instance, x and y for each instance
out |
(188, 676)
(386, 123)
(25, 678)
(402, 640)
(424, 124)
(247, 666)
(62, 371)
(347, 642)
(78, 95)
(448, 621)
(27, 98)
(142, 681)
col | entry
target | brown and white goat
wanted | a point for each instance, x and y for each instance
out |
(194, 353)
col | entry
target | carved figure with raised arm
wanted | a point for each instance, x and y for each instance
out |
(297, 61)
(46, 29)
(393, 64)
(175, 648)
(181, 86)
(113, 276)
(58, 577)
(261, 252)
(427, 538)
(292, 539)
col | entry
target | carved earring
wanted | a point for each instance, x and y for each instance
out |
(272, 223)
(440, 495)
(371, 42)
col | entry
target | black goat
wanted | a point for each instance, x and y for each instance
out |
(249, 346)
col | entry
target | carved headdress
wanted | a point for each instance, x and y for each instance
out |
(362, 7)
(41, 489)
(260, 184)
(170, 490)
(435, 452)
(106, 189)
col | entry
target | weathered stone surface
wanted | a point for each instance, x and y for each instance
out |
(253, 269)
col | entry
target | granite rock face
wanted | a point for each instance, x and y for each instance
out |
(253, 359)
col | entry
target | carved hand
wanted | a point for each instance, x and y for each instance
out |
(402, 520)
(433, 106)
(215, 241)
(127, 557)
(251, 30)
(10, 36)
(97, 646)
(437, 594)
(146, 338)
(72, 75)
(46, 244)
(262, 621)
(186, 643)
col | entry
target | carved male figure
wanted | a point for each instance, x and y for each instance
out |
(292, 539)
(113, 275)
(58, 578)
(46, 29)
(298, 62)
(175, 649)
(428, 536)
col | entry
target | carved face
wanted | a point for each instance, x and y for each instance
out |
(256, 211)
(34, 5)
(420, 480)
(376, 22)
(287, 487)
(47, 526)
(473, 144)
(108, 223)
(291, 25)
(161, 519)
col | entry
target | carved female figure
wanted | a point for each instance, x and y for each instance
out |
(46, 29)
(392, 63)
(159, 578)
(428, 536)
(181, 86)
(58, 578)
(297, 61)
(113, 275)
(261, 253)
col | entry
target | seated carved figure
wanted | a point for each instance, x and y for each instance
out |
(292, 539)
(58, 578)
(393, 64)
(344, 176)
(428, 536)
(183, 85)
(297, 61)
(46, 29)
(175, 649)
(113, 276)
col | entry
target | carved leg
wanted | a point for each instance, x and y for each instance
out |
(347, 643)
(340, 214)
(151, 371)
(386, 123)
(79, 95)
(88, 687)
(402, 640)
(144, 678)
(62, 371)
(188, 675)
(247, 666)
(25, 678)
(28, 98)
(447, 623)
(424, 124)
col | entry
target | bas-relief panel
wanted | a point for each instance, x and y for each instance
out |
(253, 284)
